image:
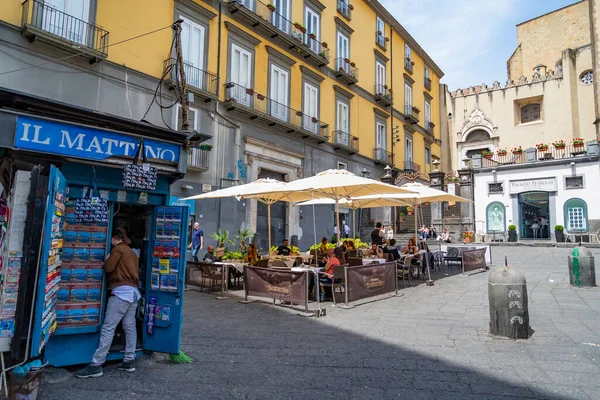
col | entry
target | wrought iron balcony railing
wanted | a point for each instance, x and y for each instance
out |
(411, 166)
(344, 140)
(382, 156)
(198, 159)
(258, 106)
(411, 113)
(383, 95)
(508, 157)
(344, 8)
(427, 83)
(294, 35)
(408, 64)
(197, 80)
(429, 126)
(47, 22)
(345, 70)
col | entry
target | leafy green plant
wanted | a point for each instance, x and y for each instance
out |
(318, 246)
(242, 236)
(512, 228)
(334, 239)
(222, 237)
(559, 228)
(233, 255)
(295, 250)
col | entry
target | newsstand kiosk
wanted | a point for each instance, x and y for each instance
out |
(72, 292)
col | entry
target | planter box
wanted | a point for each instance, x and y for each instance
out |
(560, 236)
(512, 236)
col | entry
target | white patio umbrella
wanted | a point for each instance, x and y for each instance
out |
(262, 190)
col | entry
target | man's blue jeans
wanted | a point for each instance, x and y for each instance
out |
(195, 251)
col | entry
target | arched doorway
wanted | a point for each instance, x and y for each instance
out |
(534, 215)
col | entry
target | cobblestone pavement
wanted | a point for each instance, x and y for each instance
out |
(431, 343)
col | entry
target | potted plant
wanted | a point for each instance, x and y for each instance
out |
(260, 96)
(350, 6)
(468, 237)
(312, 36)
(502, 152)
(409, 211)
(314, 120)
(431, 125)
(559, 233)
(517, 150)
(250, 91)
(230, 100)
(271, 7)
(512, 233)
(412, 62)
(222, 237)
(542, 147)
(243, 235)
(300, 27)
(402, 215)
(347, 60)
(206, 147)
(387, 39)
(379, 33)
(578, 142)
(299, 113)
(324, 44)
(353, 64)
(391, 91)
(559, 144)
(487, 154)
(416, 109)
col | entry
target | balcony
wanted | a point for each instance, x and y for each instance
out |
(198, 159)
(428, 83)
(345, 71)
(410, 166)
(536, 155)
(344, 141)
(382, 156)
(381, 40)
(291, 36)
(197, 81)
(41, 21)
(411, 113)
(345, 8)
(429, 126)
(383, 95)
(259, 107)
(408, 65)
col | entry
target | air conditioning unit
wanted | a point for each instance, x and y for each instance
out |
(299, 36)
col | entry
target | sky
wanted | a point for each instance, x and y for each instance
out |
(470, 40)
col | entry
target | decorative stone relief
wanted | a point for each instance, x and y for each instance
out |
(536, 77)
(484, 87)
(476, 119)
(510, 83)
(559, 70)
(523, 80)
(550, 74)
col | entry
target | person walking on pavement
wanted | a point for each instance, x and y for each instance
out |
(346, 231)
(122, 270)
(197, 241)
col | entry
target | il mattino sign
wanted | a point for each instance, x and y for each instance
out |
(85, 142)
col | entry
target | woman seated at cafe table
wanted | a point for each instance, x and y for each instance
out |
(351, 249)
(251, 256)
(335, 257)
(323, 247)
(375, 251)
(411, 248)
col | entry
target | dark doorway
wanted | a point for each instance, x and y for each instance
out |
(278, 216)
(534, 212)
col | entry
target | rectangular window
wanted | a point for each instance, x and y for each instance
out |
(380, 136)
(241, 75)
(281, 15)
(408, 150)
(380, 77)
(192, 43)
(193, 118)
(427, 113)
(380, 32)
(426, 72)
(246, 3)
(312, 26)
(279, 92)
(408, 98)
(427, 156)
(343, 123)
(342, 165)
(310, 110)
(576, 218)
(407, 52)
(59, 22)
(343, 52)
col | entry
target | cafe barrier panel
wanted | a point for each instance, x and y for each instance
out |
(288, 286)
(473, 260)
(364, 281)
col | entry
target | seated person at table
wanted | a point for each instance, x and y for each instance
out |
(210, 256)
(444, 237)
(335, 257)
(375, 251)
(251, 256)
(411, 248)
(284, 249)
(391, 249)
(351, 249)
(323, 247)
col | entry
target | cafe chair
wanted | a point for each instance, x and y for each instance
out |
(453, 257)
(336, 283)
(404, 270)
(438, 260)
(355, 261)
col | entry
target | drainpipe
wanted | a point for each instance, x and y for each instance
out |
(392, 86)
(219, 52)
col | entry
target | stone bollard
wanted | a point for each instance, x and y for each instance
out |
(582, 271)
(509, 315)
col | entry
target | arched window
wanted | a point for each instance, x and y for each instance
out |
(477, 136)
(495, 217)
(576, 216)
(530, 112)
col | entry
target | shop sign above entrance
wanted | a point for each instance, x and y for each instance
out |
(531, 185)
(85, 142)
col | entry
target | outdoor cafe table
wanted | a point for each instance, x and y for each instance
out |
(366, 261)
(315, 271)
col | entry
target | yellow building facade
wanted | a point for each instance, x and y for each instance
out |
(349, 66)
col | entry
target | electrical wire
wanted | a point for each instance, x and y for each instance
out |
(83, 52)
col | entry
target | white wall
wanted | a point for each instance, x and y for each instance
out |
(590, 193)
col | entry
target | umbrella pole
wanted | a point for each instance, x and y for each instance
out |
(269, 225)
(337, 220)
(353, 223)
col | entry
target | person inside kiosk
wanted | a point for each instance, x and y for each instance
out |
(122, 269)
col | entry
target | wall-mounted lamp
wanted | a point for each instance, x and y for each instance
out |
(365, 173)
(388, 171)
(436, 165)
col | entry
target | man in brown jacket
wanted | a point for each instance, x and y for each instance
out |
(122, 271)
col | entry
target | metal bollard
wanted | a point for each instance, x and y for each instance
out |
(509, 313)
(582, 271)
